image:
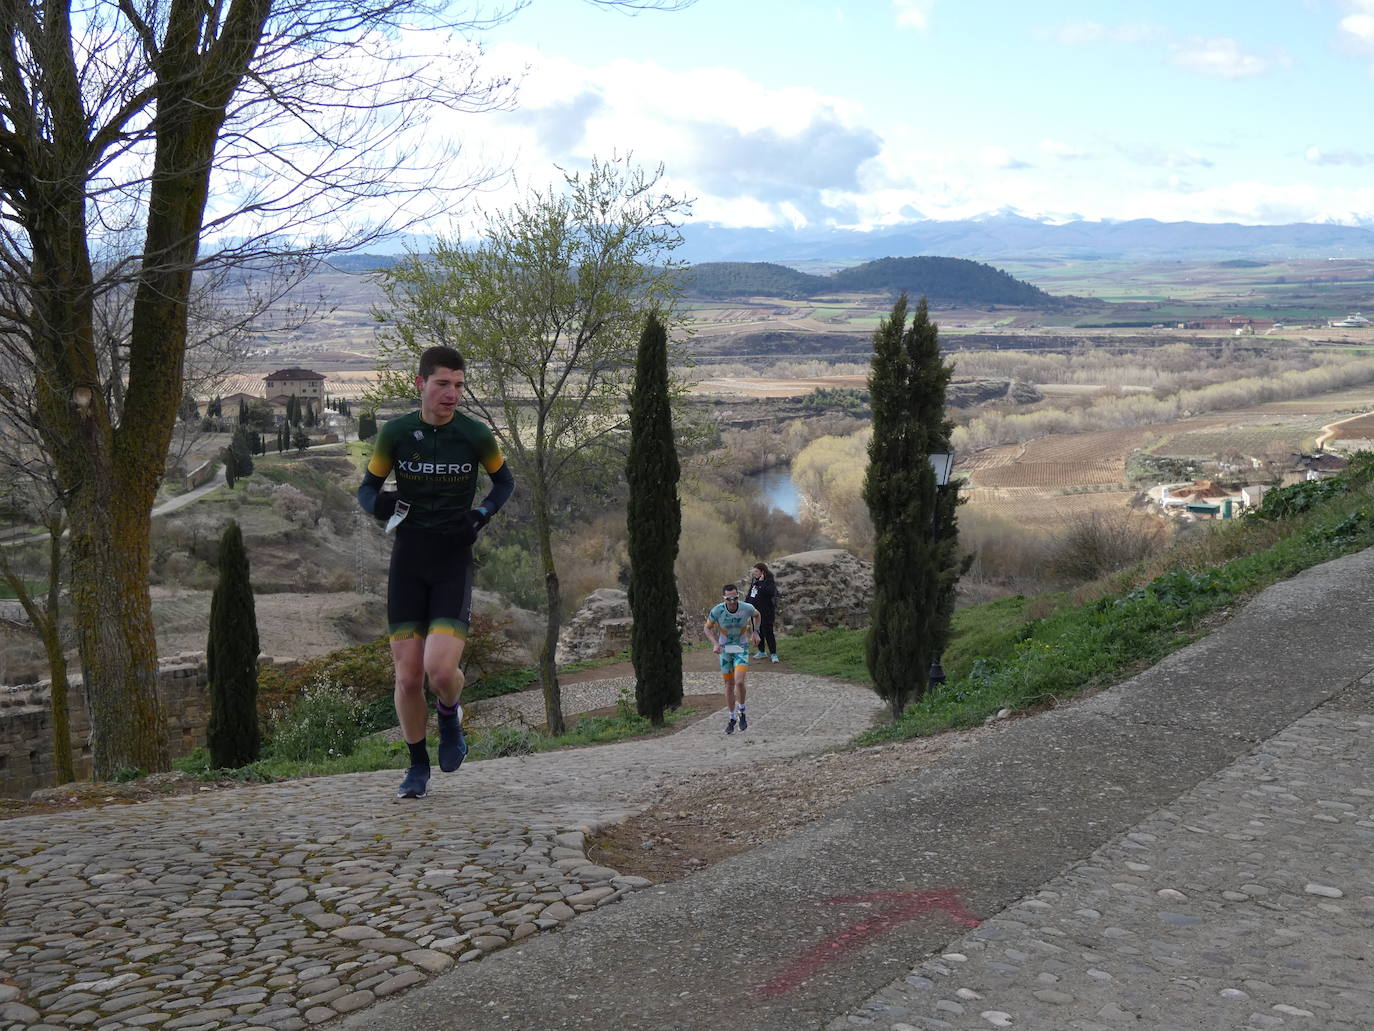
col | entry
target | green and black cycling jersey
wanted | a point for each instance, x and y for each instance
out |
(436, 470)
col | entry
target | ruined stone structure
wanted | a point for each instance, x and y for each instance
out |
(26, 723)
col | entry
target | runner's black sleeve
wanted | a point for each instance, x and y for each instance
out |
(369, 496)
(502, 486)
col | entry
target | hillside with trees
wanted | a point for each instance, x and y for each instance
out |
(942, 280)
(751, 279)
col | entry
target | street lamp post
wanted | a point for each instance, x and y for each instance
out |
(942, 464)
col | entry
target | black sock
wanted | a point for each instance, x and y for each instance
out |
(419, 753)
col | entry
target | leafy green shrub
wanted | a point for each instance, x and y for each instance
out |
(365, 669)
(515, 572)
(327, 720)
(843, 398)
(1286, 502)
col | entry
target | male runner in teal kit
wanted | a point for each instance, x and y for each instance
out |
(726, 625)
(435, 454)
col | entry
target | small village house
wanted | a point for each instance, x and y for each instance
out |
(303, 383)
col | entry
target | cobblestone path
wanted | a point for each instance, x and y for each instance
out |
(286, 905)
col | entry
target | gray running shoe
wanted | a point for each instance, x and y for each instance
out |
(743, 722)
(730, 727)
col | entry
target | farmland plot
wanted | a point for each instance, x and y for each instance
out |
(1359, 428)
(1062, 461)
(1043, 513)
(1251, 441)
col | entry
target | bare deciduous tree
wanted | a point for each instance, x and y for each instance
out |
(217, 135)
(548, 306)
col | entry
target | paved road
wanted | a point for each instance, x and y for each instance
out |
(1165, 854)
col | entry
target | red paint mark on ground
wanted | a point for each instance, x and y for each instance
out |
(893, 908)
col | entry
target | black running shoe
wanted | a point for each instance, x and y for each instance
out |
(453, 749)
(730, 727)
(416, 783)
(743, 721)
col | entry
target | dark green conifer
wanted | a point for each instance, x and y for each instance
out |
(241, 451)
(231, 659)
(654, 520)
(915, 535)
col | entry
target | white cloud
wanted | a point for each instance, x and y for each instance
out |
(1317, 156)
(1222, 58)
(1159, 157)
(750, 154)
(1361, 26)
(914, 14)
(746, 153)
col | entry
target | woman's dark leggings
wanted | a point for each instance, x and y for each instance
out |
(770, 643)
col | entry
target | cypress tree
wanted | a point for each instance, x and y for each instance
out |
(241, 448)
(231, 467)
(231, 659)
(913, 574)
(654, 521)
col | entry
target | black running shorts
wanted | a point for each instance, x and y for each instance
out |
(429, 590)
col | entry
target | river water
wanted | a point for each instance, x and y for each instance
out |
(775, 490)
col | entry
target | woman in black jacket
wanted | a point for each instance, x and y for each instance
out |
(763, 595)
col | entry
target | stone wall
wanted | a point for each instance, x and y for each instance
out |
(819, 590)
(201, 474)
(816, 590)
(26, 723)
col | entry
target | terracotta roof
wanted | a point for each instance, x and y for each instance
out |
(294, 373)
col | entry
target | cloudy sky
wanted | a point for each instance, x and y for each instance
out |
(871, 112)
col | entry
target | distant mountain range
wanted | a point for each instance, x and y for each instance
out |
(1002, 236)
(1013, 236)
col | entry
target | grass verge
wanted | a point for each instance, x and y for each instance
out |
(375, 753)
(1024, 653)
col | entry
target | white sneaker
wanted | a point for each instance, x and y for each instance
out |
(774, 658)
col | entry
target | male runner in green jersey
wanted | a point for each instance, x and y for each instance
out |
(434, 454)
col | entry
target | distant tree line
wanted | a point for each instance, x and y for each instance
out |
(941, 279)
(828, 399)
